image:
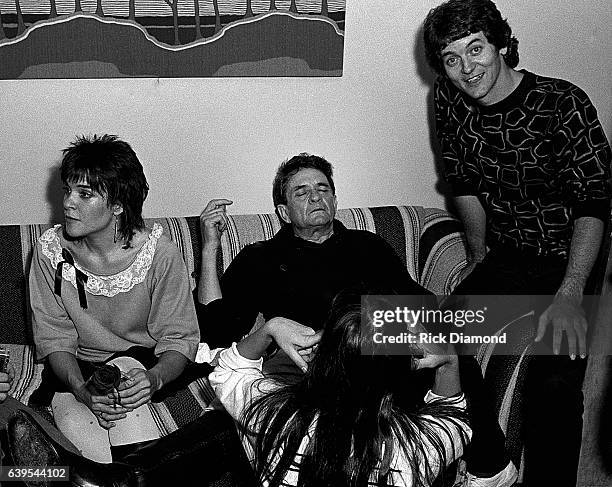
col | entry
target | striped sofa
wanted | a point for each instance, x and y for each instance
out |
(428, 240)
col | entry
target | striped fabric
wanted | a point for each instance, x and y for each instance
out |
(177, 229)
(427, 240)
(27, 371)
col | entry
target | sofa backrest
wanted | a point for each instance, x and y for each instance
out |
(428, 240)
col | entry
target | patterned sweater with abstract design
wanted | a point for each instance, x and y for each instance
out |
(537, 160)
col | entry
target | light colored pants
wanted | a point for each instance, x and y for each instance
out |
(80, 425)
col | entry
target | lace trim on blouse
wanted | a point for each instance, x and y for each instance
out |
(108, 286)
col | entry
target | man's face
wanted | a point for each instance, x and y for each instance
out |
(311, 202)
(473, 65)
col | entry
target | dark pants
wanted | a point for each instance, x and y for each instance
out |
(553, 399)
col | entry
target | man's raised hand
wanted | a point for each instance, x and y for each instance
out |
(213, 221)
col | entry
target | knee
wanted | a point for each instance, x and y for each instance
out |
(556, 394)
(126, 363)
(73, 424)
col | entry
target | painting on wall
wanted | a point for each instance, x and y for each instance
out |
(170, 38)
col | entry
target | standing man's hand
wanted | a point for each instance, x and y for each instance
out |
(566, 316)
(213, 222)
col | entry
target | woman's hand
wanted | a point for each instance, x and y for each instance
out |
(213, 222)
(436, 360)
(298, 341)
(139, 387)
(435, 355)
(105, 408)
(443, 358)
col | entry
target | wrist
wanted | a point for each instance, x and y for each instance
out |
(452, 363)
(155, 379)
(476, 256)
(80, 391)
(269, 328)
(446, 382)
(572, 289)
(209, 250)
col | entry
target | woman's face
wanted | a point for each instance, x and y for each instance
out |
(86, 212)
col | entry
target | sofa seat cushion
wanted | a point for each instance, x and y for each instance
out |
(177, 409)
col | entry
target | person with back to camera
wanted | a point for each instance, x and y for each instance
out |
(529, 164)
(343, 423)
(105, 289)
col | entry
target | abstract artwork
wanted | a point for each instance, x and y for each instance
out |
(170, 38)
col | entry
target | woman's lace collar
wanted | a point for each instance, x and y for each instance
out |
(108, 286)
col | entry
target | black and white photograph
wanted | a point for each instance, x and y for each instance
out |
(309, 243)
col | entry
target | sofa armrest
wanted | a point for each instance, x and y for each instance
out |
(178, 408)
(504, 367)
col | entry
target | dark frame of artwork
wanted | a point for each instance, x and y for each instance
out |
(170, 38)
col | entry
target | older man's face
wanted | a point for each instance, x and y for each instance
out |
(311, 203)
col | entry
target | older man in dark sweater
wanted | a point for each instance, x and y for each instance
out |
(294, 276)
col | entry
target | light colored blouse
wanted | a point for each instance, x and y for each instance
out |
(237, 382)
(148, 304)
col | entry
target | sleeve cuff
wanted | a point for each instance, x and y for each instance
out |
(599, 208)
(431, 396)
(43, 352)
(463, 189)
(187, 348)
(233, 360)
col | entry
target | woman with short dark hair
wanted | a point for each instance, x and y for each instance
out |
(105, 289)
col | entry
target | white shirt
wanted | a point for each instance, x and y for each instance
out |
(237, 382)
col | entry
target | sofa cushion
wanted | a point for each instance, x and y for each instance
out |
(176, 410)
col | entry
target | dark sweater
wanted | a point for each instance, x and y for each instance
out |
(290, 277)
(537, 160)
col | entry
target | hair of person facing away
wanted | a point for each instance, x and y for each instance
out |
(112, 169)
(455, 19)
(291, 166)
(363, 406)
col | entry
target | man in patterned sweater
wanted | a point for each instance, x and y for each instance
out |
(528, 163)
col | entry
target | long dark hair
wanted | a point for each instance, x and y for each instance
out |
(111, 168)
(363, 408)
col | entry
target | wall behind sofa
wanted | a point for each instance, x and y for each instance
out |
(203, 138)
